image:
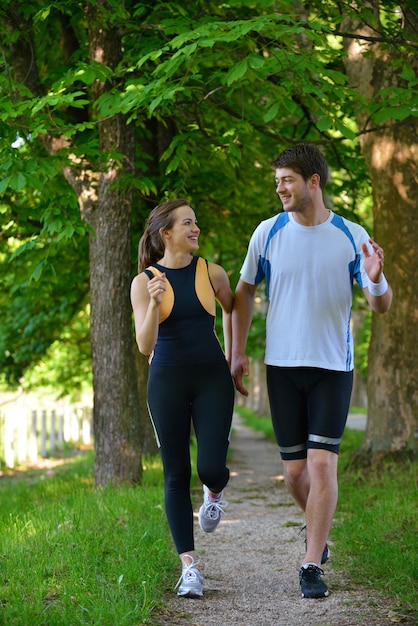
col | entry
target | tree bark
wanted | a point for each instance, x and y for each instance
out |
(119, 415)
(116, 414)
(391, 156)
(148, 440)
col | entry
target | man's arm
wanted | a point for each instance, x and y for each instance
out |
(378, 293)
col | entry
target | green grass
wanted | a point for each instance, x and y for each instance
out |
(375, 528)
(259, 423)
(358, 409)
(71, 554)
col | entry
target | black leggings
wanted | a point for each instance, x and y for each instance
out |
(178, 396)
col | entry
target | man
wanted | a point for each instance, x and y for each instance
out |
(308, 257)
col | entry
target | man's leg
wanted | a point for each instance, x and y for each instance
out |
(296, 478)
(313, 484)
(321, 502)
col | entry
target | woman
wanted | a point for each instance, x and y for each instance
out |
(173, 299)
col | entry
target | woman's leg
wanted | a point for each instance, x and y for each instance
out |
(212, 410)
(170, 412)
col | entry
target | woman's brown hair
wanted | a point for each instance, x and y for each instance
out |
(151, 246)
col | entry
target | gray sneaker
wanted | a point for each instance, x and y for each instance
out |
(190, 583)
(210, 512)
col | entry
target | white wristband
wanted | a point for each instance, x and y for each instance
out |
(378, 289)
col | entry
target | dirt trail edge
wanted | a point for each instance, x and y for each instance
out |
(251, 562)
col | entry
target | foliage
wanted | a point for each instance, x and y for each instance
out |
(41, 313)
(362, 341)
(43, 255)
(214, 90)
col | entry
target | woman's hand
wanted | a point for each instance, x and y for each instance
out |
(156, 287)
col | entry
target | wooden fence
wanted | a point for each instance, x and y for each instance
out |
(29, 434)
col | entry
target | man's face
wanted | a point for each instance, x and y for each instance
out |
(292, 190)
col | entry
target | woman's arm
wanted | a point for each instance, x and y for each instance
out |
(223, 293)
(146, 298)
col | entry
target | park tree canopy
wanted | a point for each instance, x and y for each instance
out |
(107, 108)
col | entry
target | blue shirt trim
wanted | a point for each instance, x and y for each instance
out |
(264, 267)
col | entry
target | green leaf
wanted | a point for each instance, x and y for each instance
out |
(17, 181)
(173, 165)
(272, 112)
(66, 233)
(289, 105)
(344, 130)
(234, 150)
(89, 73)
(37, 272)
(4, 183)
(256, 61)
(155, 103)
(324, 123)
(237, 71)
(396, 113)
(43, 14)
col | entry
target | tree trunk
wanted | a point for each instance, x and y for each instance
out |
(393, 363)
(148, 440)
(118, 413)
(116, 403)
(391, 156)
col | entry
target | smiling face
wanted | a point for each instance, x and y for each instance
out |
(184, 234)
(292, 190)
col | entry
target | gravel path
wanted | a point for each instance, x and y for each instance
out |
(250, 563)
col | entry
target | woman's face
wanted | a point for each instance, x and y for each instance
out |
(184, 234)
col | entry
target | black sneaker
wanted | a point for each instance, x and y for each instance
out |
(326, 554)
(311, 583)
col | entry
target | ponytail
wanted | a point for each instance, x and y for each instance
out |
(151, 246)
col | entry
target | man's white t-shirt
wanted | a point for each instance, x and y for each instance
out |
(309, 273)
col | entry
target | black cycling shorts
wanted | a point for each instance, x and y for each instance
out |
(309, 408)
